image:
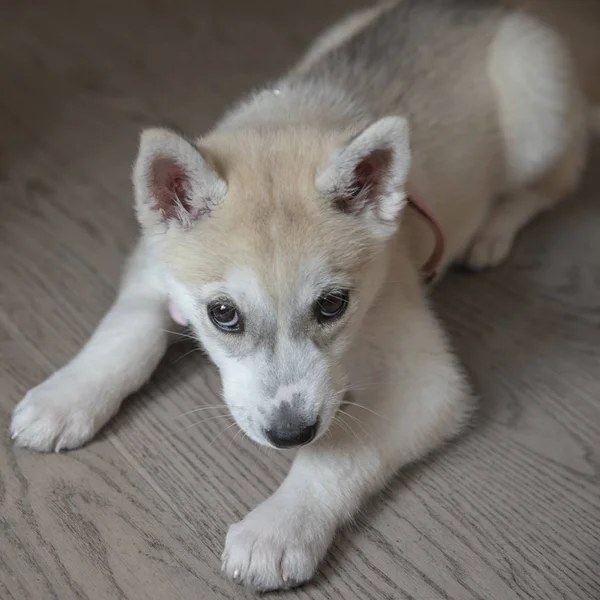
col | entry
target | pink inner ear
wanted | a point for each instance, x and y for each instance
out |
(172, 188)
(371, 172)
(368, 181)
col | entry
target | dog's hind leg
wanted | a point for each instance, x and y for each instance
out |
(545, 124)
(495, 238)
(69, 408)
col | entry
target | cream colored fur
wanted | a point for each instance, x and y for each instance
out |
(302, 188)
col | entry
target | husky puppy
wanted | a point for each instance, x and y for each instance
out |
(291, 240)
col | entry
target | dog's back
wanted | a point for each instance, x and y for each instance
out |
(491, 95)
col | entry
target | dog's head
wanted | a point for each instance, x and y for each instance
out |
(274, 245)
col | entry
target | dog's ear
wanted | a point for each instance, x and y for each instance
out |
(173, 182)
(367, 176)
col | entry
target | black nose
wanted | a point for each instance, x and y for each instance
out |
(288, 435)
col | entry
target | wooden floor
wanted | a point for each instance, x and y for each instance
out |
(510, 511)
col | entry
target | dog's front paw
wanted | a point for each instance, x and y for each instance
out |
(60, 414)
(276, 548)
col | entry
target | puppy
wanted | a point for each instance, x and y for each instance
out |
(291, 240)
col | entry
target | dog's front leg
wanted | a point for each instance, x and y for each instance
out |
(411, 398)
(69, 408)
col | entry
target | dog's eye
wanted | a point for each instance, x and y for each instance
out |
(225, 316)
(331, 305)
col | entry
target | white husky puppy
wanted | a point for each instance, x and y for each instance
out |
(291, 240)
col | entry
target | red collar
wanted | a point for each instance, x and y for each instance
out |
(429, 269)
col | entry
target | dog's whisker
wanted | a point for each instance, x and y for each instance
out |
(195, 410)
(233, 438)
(363, 385)
(341, 423)
(221, 433)
(348, 428)
(364, 408)
(180, 334)
(361, 423)
(196, 423)
(186, 354)
(358, 422)
(359, 387)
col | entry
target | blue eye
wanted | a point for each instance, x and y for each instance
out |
(225, 316)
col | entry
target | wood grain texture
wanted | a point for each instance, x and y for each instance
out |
(512, 510)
